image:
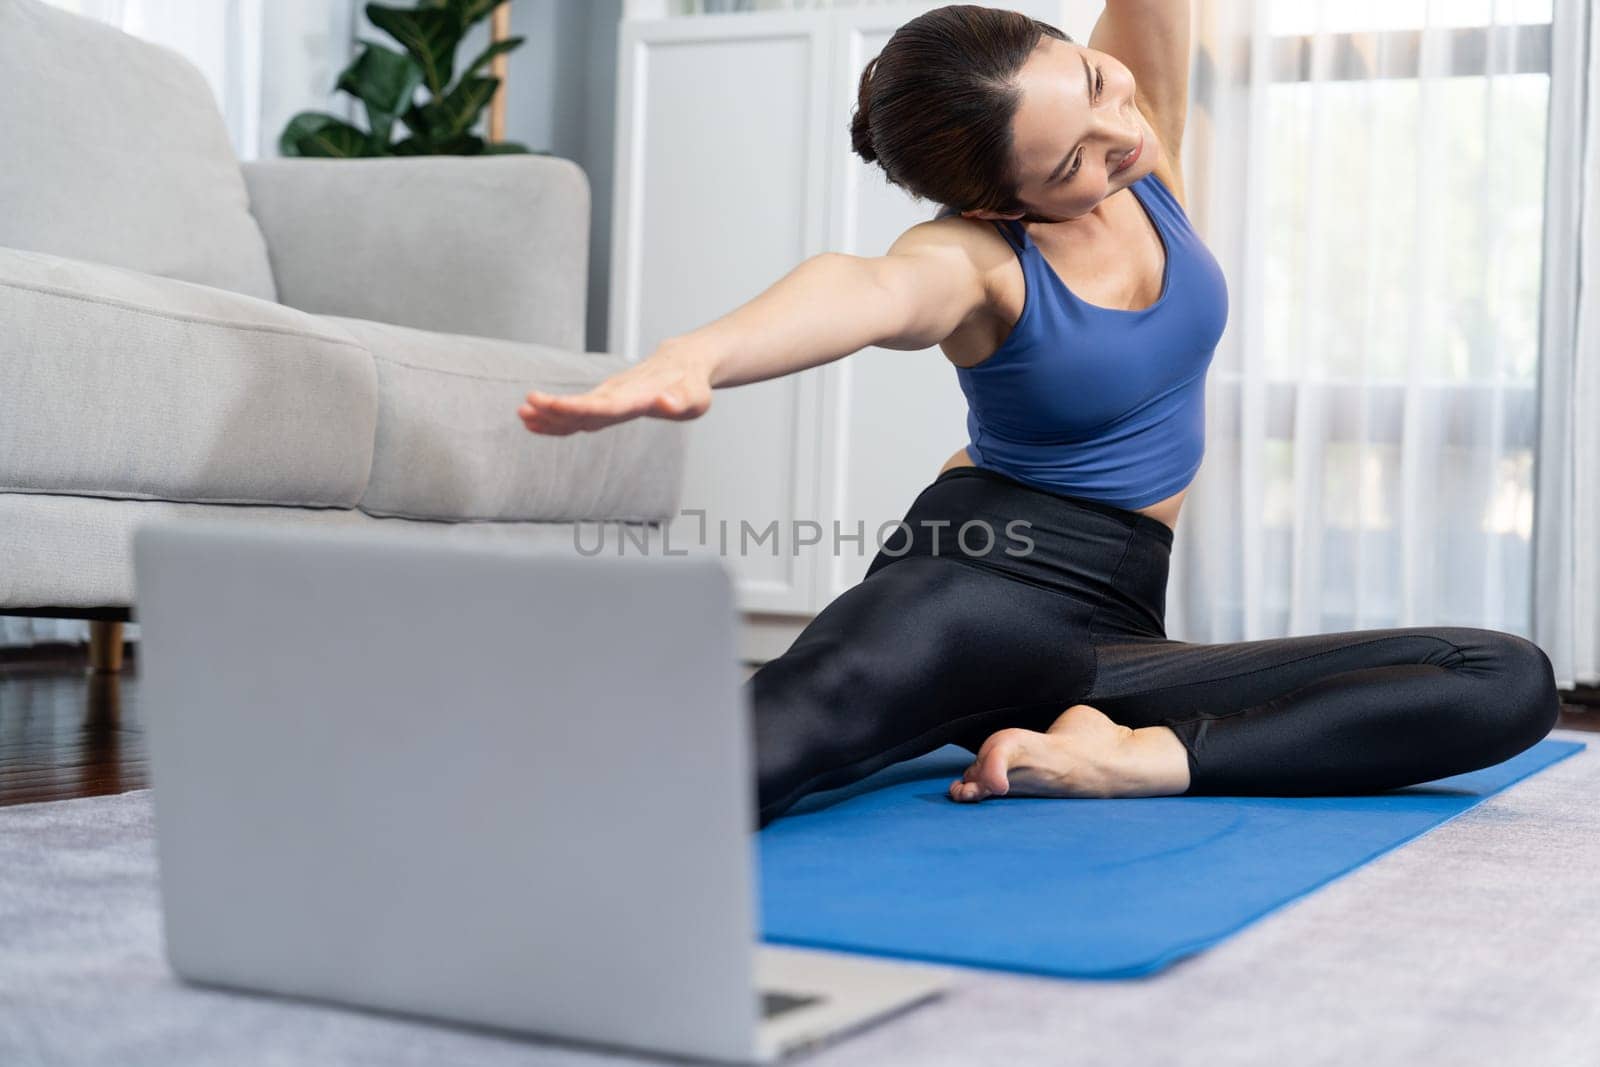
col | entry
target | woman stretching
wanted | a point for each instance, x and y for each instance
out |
(1018, 611)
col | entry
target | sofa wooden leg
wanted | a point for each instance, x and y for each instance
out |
(105, 646)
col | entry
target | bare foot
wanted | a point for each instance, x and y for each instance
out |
(1083, 754)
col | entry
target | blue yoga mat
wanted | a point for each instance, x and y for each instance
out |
(1073, 888)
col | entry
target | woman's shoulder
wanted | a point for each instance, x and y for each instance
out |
(948, 226)
(964, 243)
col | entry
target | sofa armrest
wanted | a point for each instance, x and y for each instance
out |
(494, 246)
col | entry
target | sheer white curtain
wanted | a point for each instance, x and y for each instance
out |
(265, 60)
(1371, 177)
(1567, 527)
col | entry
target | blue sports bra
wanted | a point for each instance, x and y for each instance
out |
(1098, 402)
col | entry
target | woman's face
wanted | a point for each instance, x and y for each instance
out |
(1075, 124)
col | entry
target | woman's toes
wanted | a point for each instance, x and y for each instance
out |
(1029, 763)
(970, 786)
(1003, 751)
(992, 775)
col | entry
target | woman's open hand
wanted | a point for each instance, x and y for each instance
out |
(674, 383)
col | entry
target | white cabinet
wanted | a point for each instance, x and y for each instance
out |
(733, 165)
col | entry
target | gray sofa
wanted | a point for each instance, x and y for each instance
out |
(328, 342)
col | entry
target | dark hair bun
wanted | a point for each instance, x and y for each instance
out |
(861, 137)
(860, 130)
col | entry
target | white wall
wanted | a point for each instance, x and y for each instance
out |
(562, 98)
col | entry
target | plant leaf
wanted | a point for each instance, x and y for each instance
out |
(467, 144)
(505, 148)
(385, 81)
(473, 11)
(415, 120)
(489, 53)
(429, 34)
(314, 133)
(458, 111)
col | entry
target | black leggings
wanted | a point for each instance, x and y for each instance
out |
(956, 632)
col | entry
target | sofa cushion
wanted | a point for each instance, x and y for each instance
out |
(75, 551)
(120, 384)
(450, 444)
(492, 246)
(114, 152)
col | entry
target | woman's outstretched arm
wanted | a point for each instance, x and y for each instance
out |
(829, 306)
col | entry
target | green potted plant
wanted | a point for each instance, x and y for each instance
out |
(389, 83)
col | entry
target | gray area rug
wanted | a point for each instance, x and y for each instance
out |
(1478, 943)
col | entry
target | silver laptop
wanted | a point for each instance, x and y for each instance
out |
(499, 786)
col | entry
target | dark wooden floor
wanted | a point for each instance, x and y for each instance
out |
(65, 732)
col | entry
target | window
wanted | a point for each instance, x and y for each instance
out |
(1401, 256)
